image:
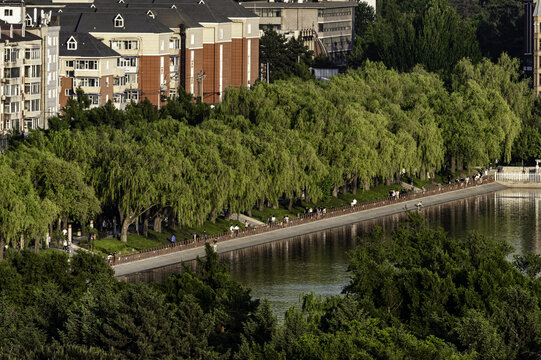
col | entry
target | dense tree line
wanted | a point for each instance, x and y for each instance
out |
(416, 294)
(286, 140)
(437, 33)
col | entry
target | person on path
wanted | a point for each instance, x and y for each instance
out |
(173, 239)
(110, 259)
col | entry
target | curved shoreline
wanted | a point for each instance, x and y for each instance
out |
(302, 229)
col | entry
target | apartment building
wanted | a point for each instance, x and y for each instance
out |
(204, 46)
(327, 27)
(29, 91)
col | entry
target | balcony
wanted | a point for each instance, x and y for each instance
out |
(89, 89)
(86, 73)
(119, 89)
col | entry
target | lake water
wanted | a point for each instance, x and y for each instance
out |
(284, 270)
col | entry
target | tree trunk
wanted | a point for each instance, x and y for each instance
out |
(59, 224)
(345, 189)
(2, 246)
(36, 245)
(354, 185)
(145, 224)
(387, 182)
(335, 191)
(137, 225)
(50, 234)
(453, 164)
(124, 229)
(249, 212)
(261, 205)
(366, 186)
(172, 223)
(423, 173)
(227, 215)
(158, 218)
(290, 204)
(212, 216)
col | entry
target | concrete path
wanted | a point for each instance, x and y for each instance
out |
(242, 218)
(319, 225)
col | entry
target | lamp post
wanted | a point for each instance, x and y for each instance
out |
(200, 78)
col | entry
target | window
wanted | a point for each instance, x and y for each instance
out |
(131, 78)
(32, 88)
(69, 63)
(119, 21)
(174, 43)
(124, 44)
(11, 90)
(119, 98)
(72, 43)
(8, 12)
(32, 54)
(132, 96)
(107, 82)
(173, 63)
(127, 62)
(119, 81)
(28, 20)
(11, 54)
(31, 105)
(30, 123)
(32, 70)
(89, 82)
(266, 13)
(11, 108)
(12, 73)
(94, 100)
(86, 64)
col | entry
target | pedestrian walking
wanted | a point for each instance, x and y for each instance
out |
(173, 239)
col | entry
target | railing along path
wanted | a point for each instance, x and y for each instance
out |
(302, 219)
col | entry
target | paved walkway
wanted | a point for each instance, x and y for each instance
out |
(319, 225)
(242, 218)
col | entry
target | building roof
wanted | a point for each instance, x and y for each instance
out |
(304, 5)
(87, 46)
(170, 13)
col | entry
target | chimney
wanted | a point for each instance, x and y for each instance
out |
(35, 16)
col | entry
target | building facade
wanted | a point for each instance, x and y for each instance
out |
(327, 27)
(29, 82)
(203, 46)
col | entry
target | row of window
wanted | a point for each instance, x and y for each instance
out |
(14, 107)
(335, 26)
(12, 54)
(33, 88)
(82, 64)
(333, 12)
(124, 44)
(268, 12)
(29, 71)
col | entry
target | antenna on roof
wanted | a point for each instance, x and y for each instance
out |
(173, 6)
(201, 2)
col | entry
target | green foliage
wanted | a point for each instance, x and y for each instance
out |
(462, 290)
(284, 57)
(410, 33)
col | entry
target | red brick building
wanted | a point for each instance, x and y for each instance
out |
(203, 46)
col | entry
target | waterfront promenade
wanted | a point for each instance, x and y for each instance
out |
(302, 229)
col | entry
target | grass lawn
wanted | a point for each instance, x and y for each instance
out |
(138, 242)
(329, 202)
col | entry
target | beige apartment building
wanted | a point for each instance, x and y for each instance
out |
(325, 26)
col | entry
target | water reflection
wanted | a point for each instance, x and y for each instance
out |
(283, 270)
